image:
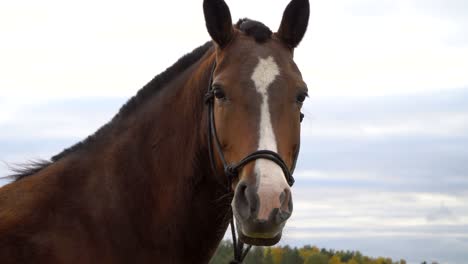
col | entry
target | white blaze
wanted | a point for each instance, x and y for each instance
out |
(270, 178)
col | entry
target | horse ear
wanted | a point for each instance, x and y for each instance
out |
(294, 22)
(218, 21)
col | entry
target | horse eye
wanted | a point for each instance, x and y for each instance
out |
(301, 97)
(219, 93)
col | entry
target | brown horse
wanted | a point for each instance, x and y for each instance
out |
(142, 189)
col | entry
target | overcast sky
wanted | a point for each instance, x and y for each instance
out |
(384, 160)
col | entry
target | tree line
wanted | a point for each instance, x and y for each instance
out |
(293, 255)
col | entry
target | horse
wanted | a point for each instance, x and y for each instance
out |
(160, 182)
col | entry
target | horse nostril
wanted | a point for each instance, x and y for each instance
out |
(246, 201)
(279, 216)
(286, 201)
(241, 201)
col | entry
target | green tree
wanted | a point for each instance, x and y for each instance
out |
(317, 258)
(334, 260)
(277, 253)
(366, 260)
(358, 257)
(345, 256)
(268, 259)
(304, 255)
(308, 251)
(223, 254)
(381, 260)
(291, 256)
(255, 256)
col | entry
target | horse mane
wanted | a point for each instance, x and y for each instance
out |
(252, 28)
(148, 91)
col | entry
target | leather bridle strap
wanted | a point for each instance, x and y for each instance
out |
(232, 170)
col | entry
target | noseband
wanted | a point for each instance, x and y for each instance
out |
(232, 170)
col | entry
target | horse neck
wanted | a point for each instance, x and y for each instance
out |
(163, 165)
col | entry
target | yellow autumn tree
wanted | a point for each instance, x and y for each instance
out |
(335, 260)
(308, 251)
(277, 253)
(381, 260)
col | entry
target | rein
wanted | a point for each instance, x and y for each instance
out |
(232, 170)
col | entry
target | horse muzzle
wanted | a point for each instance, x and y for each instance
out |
(261, 216)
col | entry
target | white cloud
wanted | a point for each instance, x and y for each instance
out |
(357, 213)
(332, 175)
(399, 52)
(441, 214)
(63, 49)
(56, 119)
(416, 124)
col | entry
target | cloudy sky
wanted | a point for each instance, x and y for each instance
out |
(384, 160)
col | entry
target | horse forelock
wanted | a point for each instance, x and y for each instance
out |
(259, 31)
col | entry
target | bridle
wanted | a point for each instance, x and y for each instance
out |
(232, 170)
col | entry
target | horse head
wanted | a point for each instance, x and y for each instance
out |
(258, 92)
